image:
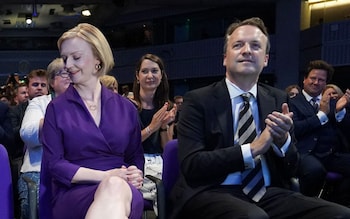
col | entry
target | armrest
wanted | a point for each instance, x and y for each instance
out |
(161, 197)
(32, 197)
(294, 184)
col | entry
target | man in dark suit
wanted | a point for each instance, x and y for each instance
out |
(215, 165)
(6, 136)
(317, 130)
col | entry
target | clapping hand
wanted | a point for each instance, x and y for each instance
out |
(343, 101)
(279, 124)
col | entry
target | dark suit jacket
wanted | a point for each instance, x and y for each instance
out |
(206, 141)
(310, 134)
(16, 114)
(6, 132)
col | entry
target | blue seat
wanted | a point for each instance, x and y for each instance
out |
(330, 180)
(6, 193)
(169, 176)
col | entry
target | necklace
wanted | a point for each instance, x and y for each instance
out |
(91, 106)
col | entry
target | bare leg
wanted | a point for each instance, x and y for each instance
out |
(112, 200)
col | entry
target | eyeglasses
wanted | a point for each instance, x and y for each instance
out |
(62, 73)
(36, 84)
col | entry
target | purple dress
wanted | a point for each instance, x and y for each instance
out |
(71, 140)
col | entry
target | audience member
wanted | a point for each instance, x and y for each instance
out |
(125, 90)
(334, 91)
(6, 136)
(225, 126)
(32, 123)
(316, 124)
(110, 82)
(20, 94)
(89, 164)
(5, 99)
(37, 86)
(293, 90)
(178, 100)
(151, 94)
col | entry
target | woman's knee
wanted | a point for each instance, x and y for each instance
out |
(115, 185)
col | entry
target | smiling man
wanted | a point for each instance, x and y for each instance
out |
(318, 119)
(236, 146)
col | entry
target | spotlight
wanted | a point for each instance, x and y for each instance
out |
(86, 13)
(29, 19)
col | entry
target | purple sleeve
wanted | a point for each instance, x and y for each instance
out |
(53, 151)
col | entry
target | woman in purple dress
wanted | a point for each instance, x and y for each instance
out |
(92, 154)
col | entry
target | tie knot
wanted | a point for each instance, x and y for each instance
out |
(314, 103)
(314, 99)
(246, 97)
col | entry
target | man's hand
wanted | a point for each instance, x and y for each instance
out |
(261, 144)
(324, 102)
(279, 124)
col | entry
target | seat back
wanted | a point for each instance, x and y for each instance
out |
(170, 166)
(330, 180)
(169, 177)
(45, 208)
(6, 193)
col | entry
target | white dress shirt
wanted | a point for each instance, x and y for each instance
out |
(30, 133)
(237, 101)
(339, 116)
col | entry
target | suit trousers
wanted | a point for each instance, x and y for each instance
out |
(313, 169)
(228, 202)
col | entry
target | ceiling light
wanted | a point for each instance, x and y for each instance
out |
(86, 12)
(29, 19)
(328, 4)
(315, 1)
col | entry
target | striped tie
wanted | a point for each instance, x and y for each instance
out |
(252, 180)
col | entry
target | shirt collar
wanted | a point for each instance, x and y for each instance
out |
(235, 91)
(308, 97)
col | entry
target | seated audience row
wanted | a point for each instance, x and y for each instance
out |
(239, 140)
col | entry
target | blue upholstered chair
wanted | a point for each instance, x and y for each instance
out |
(331, 179)
(6, 194)
(170, 174)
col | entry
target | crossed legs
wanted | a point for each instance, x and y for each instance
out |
(112, 200)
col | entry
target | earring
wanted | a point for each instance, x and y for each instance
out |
(137, 81)
(98, 66)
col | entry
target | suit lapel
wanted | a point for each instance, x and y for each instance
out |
(266, 105)
(221, 104)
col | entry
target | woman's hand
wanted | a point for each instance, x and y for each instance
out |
(131, 174)
(343, 101)
(134, 176)
(158, 118)
(170, 116)
(121, 172)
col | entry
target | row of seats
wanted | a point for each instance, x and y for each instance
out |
(164, 186)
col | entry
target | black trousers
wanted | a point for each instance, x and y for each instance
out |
(228, 202)
(312, 172)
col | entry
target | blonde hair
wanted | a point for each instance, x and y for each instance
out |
(99, 44)
(109, 81)
(335, 87)
(55, 66)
